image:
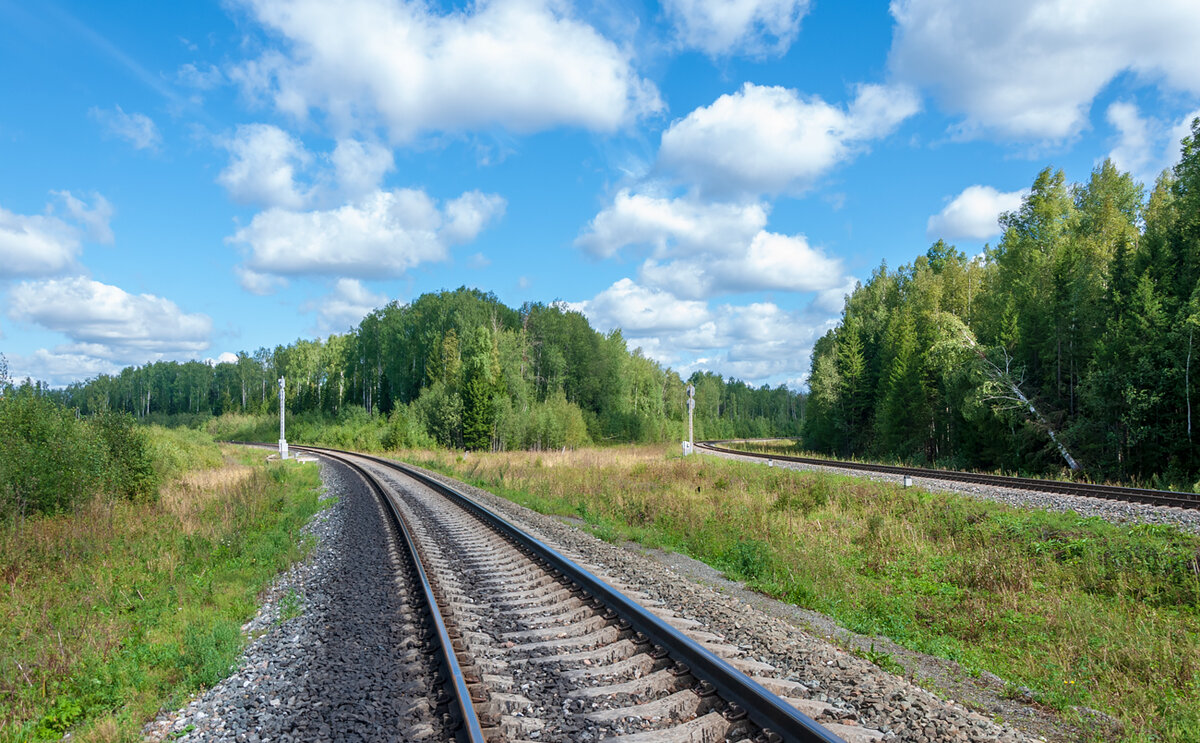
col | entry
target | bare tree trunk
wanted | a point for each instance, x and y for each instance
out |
(1004, 378)
(1187, 383)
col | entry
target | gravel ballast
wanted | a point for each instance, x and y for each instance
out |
(348, 665)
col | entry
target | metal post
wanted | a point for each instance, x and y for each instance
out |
(691, 405)
(283, 452)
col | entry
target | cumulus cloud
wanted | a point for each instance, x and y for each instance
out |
(261, 284)
(268, 167)
(1183, 128)
(345, 306)
(640, 310)
(106, 322)
(668, 224)
(974, 214)
(359, 167)
(1031, 69)
(1133, 151)
(771, 261)
(722, 27)
(263, 164)
(59, 368)
(382, 234)
(758, 342)
(770, 139)
(44, 244)
(1144, 146)
(137, 129)
(699, 250)
(523, 65)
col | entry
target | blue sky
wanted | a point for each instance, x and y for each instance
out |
(190, 180)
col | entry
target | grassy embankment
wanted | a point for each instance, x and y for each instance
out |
(115, 607)
(1083, 612)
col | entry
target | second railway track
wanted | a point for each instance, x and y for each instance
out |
(544, 650)
(1144, 496)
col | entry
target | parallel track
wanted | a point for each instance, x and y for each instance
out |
(739, 703)
(1110, 492)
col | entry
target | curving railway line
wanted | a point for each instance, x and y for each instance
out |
(531, 646)
(1145, 496)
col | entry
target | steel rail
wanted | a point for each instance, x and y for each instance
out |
(470, 730)
(1110, 492)
(763, 708)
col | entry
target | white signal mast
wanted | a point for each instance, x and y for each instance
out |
(283, 453)
(691, 405)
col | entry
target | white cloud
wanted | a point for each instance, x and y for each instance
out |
(58, 368)
(974, 214)
(44, 245)
(1183, 128)
(1031, 69)
(771, 261)
(137, 129)
(200, 78)
(523, 65)
(264, 162)
(1133, 151)
(699, 250)
(359, 167)
(271, 168)
(226, 357)
(757, 342)
(94, 219)
(467, 215)
(261, 284)
(106, 322)
(346, 306)
(770, 139)
(640, 310)
(721, 27)
(669, 224)
(382, 234)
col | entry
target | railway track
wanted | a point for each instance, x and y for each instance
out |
(1109, 492)
(533, 647)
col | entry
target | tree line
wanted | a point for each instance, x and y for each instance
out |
(1066, 346)
(461, 369)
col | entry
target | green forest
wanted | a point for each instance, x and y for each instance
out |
(457, 369)
(1068, 346)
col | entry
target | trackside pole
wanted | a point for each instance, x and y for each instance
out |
(282, 441)
(691, 403)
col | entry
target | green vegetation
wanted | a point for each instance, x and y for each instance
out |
(1079, 325)
(118, 602)
(458, 369)
(51, 460)
(1083, 612)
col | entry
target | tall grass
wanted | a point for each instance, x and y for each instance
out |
(118, 607)
(1084, 612)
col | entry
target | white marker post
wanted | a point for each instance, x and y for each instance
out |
(691, 405)
(282, 441)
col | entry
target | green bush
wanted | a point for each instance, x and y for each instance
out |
(51, 459)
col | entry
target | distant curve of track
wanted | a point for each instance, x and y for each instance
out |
(1146, 496)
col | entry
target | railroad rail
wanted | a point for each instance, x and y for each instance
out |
(631, 672)
(456, 696)
(1110, 492)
